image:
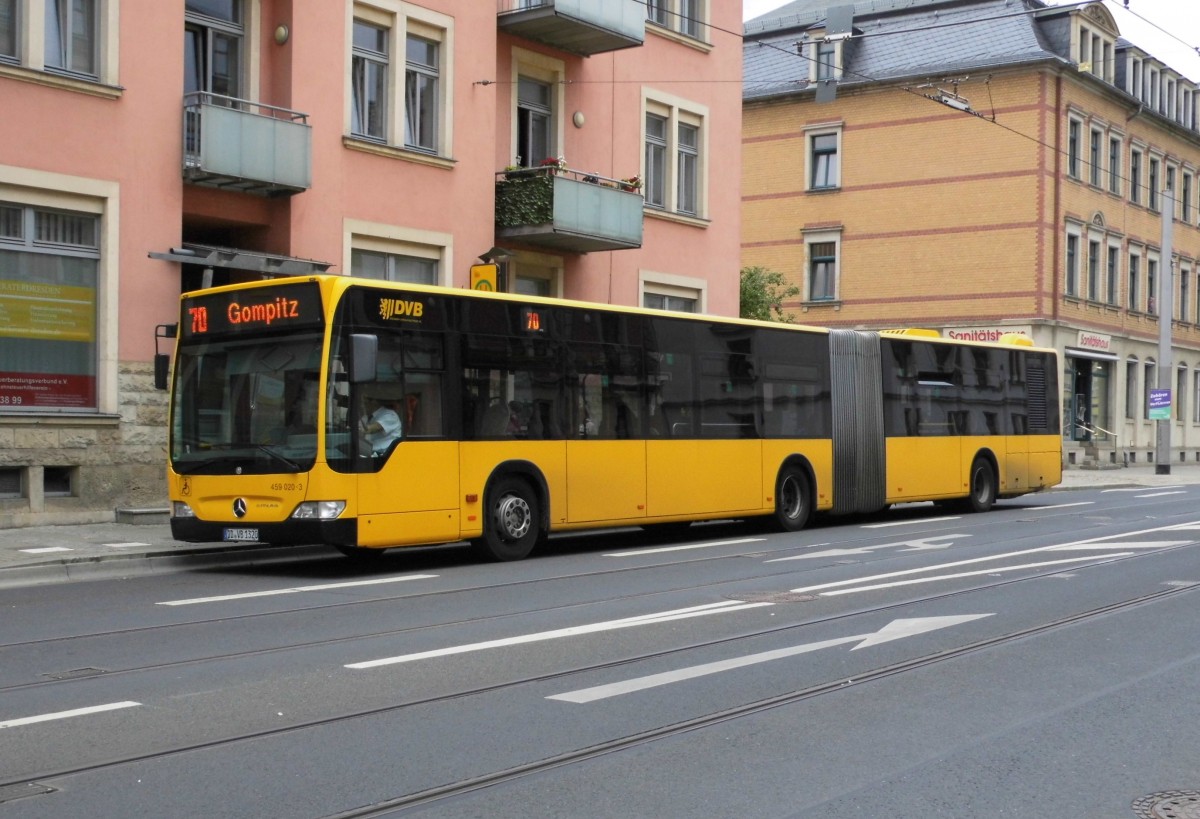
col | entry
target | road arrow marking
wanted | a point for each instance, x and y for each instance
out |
(895, 630)
(909, 522)
(572, 631)
(685, 547)
(917, 545)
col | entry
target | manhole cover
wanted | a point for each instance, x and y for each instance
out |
(1168, 805)
(773, 597)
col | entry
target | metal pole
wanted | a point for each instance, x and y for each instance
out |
(1166, 312)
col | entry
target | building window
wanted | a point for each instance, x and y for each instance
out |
(1114, 274)
(1072, 271)
(1174, 192)
(1135, 176)
(687, 172)
(396, 93)
(679, 293)
(665, 301)
(1152, 182)
(1131, 389)
(1185, 198)
(72, 36)
(824, 167)
(1114, 165)
(48, 294)
(1094, 154)
(826, 64)
(1093, 274)
(684, 16)
(421, 94)
(1151, 286)
(1181, 393)
(214, 32)
(368, 77)
(1151, 383)
(674, 158)
(822, 279)
(393, 267)
(656, 161)
(1196, 396)
(1074, 127)
(1135, 275)
(535, 121)
(8, 31)
(1185, 277)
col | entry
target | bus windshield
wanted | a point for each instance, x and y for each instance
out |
(246, 405)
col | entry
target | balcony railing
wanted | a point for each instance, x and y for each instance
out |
(582, 27)
(246, 146)
(566, 210)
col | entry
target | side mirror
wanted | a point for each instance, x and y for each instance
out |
(364, 353)
(162, 371)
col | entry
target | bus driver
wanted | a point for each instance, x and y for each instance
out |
(380, 425)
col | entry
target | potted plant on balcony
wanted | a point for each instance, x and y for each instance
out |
(553, 164)
(632, 184)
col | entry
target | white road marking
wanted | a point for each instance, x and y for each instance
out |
(894, 630)
(124, 545)
(77, 712)
(45, 550)
(296, 589)
(954, 564)
(996, 570)
(917, 545)
(1134, 544)
(685, 547)
(1061, 506)
(1140, 488)
(909, 522)
(1160, 494)
(572, 631)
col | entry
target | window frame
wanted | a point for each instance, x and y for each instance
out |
(812, 239)
(395, 241)
(402, 20)
(669, 285)
(666, 195)
(813, 157)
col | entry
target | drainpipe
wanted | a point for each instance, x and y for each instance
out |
(1057, 195)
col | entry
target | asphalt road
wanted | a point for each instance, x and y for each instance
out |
(1038, 660)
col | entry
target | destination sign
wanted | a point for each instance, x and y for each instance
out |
(266, 309)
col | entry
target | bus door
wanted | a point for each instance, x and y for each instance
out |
(408, 481)
(607, 439)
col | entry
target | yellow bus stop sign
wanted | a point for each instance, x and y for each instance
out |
(483, 276)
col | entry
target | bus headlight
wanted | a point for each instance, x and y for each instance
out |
(319, 510)
(179, 509)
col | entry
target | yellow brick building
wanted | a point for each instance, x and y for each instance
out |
(979, 167)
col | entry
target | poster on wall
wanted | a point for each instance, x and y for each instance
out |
(47, 314)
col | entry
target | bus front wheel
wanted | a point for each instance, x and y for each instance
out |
(983, 486)
(512, 527)
(792, 499)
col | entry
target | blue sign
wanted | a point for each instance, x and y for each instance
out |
(1160, 405)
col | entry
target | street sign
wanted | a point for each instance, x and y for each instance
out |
(1160, 405)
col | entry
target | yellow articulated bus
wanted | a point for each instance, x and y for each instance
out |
(368, 415)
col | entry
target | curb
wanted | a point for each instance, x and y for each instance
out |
(100, 567)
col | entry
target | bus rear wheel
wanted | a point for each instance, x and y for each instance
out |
(983, 486)
(792, 499)
(513, 524)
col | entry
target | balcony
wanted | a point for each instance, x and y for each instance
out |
(245, 146)
(583, 27)
(565, 210)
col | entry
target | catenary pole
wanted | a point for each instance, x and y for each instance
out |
(1166, 312)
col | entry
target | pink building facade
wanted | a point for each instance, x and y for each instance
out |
(378, 138)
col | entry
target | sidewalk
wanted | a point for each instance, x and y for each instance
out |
(48, 554)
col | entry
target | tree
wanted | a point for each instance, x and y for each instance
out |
(763, 294)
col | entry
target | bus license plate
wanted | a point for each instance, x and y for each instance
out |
(241, 534)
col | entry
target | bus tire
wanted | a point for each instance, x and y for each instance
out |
(512, 527)
(793, 500)
(983, 486)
